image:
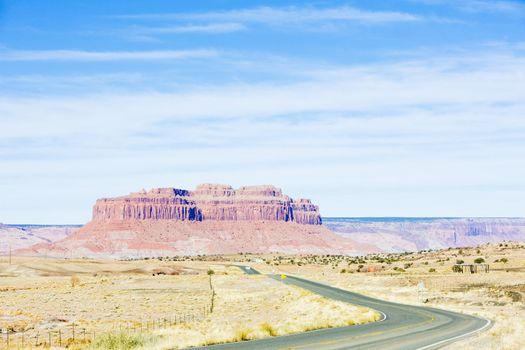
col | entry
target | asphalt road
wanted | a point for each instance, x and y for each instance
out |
(401, 326)
(248, 270)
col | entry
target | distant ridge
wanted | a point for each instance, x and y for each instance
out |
(406, 218)
(397, 234)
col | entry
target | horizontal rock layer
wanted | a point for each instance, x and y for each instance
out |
(413, 234)
(208, 202)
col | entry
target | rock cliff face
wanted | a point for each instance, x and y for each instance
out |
(212, 219)
(208, 202)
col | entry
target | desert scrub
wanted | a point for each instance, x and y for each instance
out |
(243, 334)
(515, 296)
(75, 281)
(269, 308)
(266, 327)
(122, 341)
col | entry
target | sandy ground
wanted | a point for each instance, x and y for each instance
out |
(498, 295)
(173, 309)
(168, 302)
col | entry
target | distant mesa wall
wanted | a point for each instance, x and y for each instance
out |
(413, 234)
(208, 202)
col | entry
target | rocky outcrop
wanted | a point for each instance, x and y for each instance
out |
(208, 202)
(212, 219)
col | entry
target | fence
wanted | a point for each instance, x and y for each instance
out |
(75, 333)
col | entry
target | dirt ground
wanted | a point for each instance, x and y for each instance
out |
(186, 301)
(171, 304)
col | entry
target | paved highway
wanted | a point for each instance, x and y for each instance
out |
(248, 270)
(401, 326)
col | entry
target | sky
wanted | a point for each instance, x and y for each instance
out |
(369, 108)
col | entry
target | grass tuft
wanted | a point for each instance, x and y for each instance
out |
(242, 335)
(121, 341)
(268, 329)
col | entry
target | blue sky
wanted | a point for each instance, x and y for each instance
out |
(370, 108)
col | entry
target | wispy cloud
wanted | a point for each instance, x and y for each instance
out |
(212, 28)
(287, 15)
(510, 7)
(490, 6)
(79, 55)
(442, 122)
(151, 34)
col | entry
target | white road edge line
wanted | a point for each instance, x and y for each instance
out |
(489, 322)
(329, 286)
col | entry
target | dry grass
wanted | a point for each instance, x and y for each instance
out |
(75, 281)
(254, 307)
(498, 295)
(266, 327)
(112, 299)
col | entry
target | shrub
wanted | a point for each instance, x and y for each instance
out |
(459, 261)
(479, 261)
(343, 271)
(515, 296)
(457, 268)
(75, 281)
(432, 270)
(210, 272)
(242, 335)
(269, 329)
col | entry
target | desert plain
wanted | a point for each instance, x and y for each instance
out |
(154, 304)
(179, 302)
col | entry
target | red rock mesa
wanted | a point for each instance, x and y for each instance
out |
(208, 202)
(212, 219)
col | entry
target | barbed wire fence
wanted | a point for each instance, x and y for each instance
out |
(78, 333)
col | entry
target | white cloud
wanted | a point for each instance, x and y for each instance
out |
(451, 125)
(91, 56)
(510, 7)
(212, 28)
(287, 15)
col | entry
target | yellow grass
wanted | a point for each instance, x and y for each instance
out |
(122, 305)
(498, 295)
(254, 307)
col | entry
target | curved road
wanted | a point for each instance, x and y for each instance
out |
(401, 327)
